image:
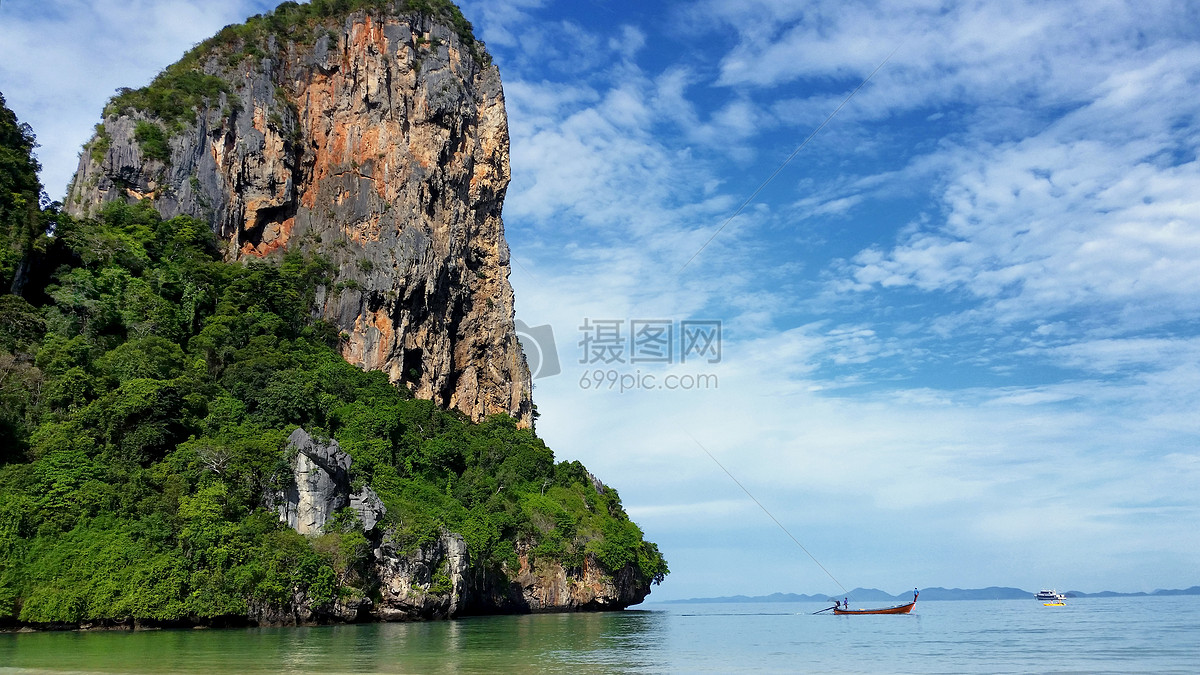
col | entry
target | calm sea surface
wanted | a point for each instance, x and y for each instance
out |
(1118, 635)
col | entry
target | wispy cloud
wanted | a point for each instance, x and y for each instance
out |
(61, 61)
(1095, 211)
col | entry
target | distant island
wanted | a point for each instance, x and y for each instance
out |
(936, 593)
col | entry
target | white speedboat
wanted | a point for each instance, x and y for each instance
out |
(1050, 595)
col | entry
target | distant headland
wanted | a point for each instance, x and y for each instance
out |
(936, 593)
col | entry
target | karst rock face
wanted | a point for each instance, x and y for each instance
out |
(377, 140)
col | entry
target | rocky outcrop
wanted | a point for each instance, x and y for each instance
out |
(550, 587)
(379, 141)
(427, 583)
(430, 580)
(439, 581)
(320, 486)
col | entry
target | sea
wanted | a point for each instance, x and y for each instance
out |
(1091, 635)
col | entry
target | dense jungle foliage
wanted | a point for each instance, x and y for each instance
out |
(146, 392)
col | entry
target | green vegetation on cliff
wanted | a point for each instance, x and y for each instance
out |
(146, 392)
(20, 194)
(175, 93)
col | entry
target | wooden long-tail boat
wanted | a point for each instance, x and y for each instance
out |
(898, 609)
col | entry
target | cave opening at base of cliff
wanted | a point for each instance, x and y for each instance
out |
(411, 367)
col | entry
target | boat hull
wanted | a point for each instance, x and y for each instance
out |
(898, 609)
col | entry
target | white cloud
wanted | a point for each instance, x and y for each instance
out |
(1039, 231)
(60, 62)
(1092, 214)
(993, 466)
(1039, 52)
(500, 22)
(1108, 356)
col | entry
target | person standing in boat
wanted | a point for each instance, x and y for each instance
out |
(915, 594)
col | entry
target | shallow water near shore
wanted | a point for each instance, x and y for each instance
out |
(1110, 635)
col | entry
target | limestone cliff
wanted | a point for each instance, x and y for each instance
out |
(377, 139)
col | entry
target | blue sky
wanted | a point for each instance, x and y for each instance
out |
(960, 328)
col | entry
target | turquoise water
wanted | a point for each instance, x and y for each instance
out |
(1117, 635)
